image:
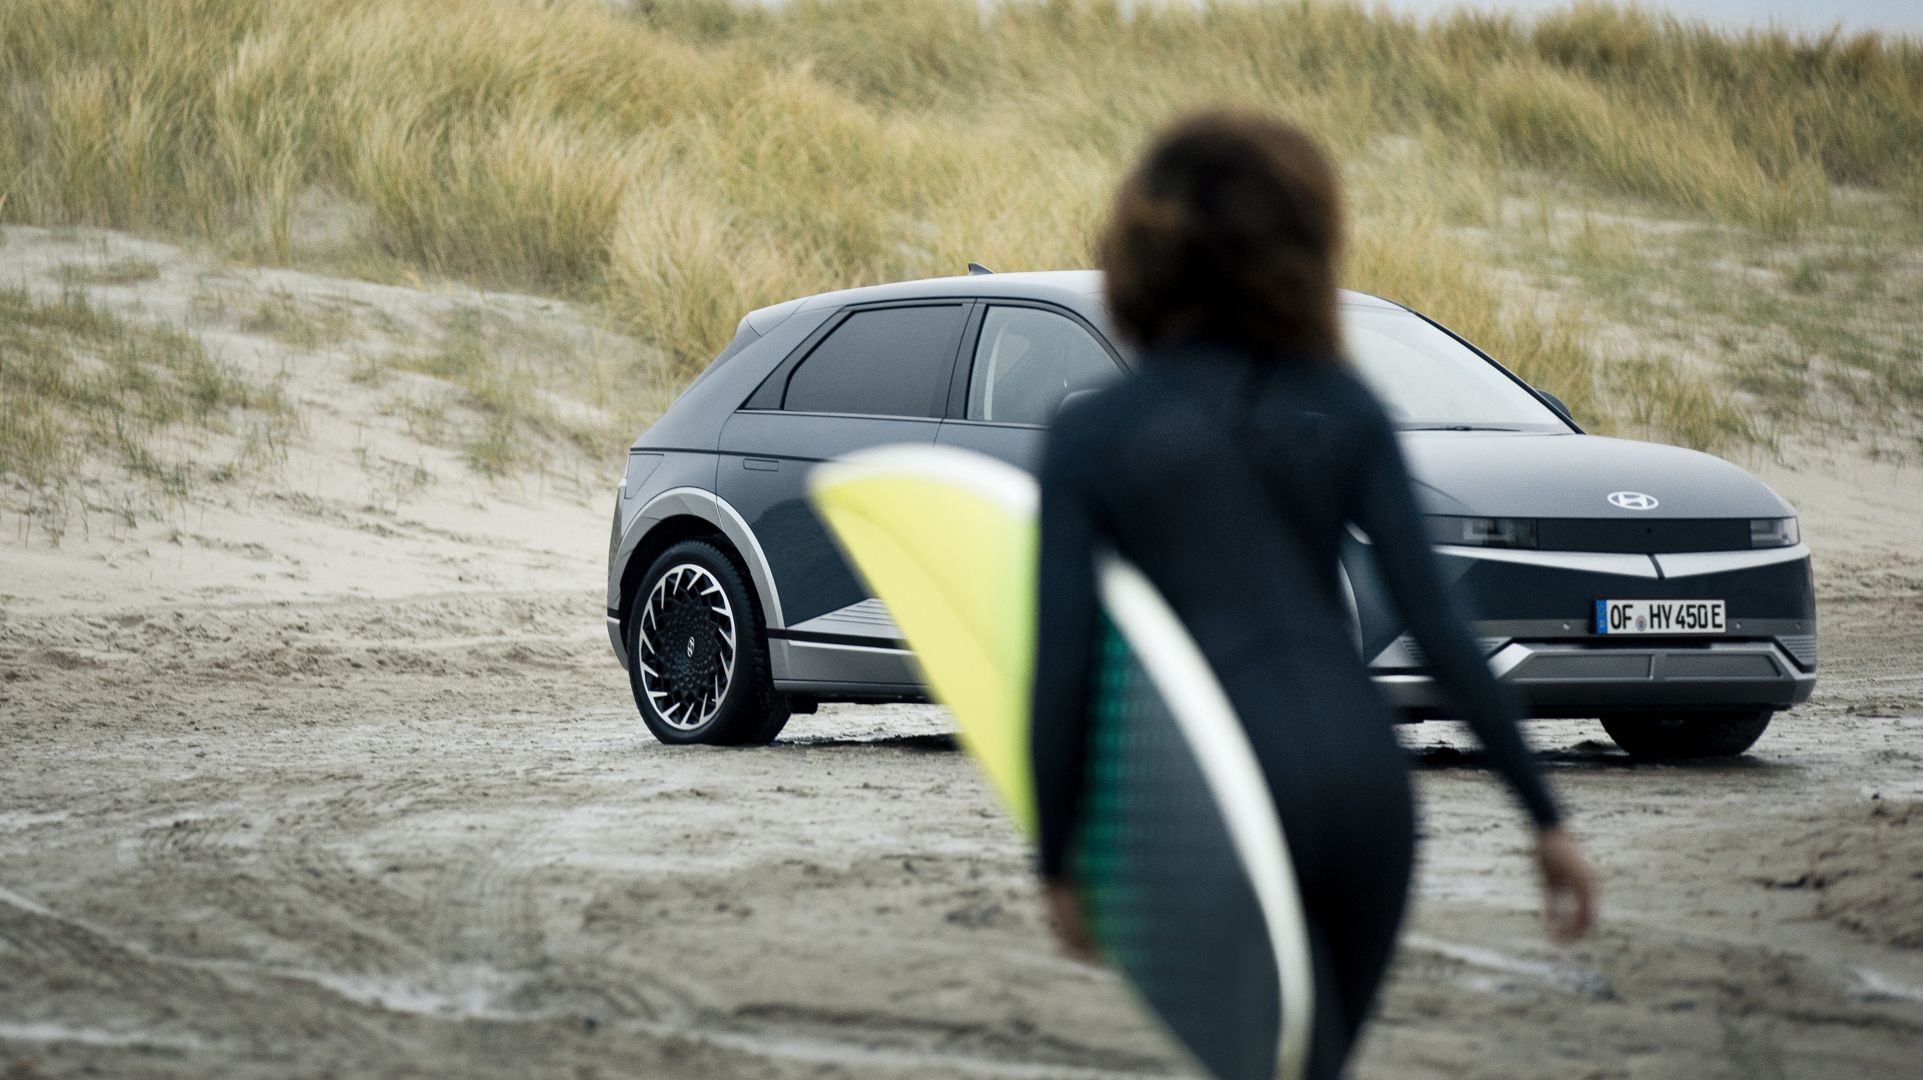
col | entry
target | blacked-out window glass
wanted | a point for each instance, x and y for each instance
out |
(884, 362)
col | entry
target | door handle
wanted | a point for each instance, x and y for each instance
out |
(761, 464)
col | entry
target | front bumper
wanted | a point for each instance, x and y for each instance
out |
(1537, 637)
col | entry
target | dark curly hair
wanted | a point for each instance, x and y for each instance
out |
(1229, 230)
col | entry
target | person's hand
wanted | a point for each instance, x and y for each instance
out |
(1065, 913)
(1568, 885)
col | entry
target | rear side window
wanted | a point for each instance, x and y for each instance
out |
(883, 362)
(1027, 361)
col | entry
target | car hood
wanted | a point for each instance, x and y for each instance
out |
(1516, 474)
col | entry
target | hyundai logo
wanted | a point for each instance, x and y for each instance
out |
(1632, 500)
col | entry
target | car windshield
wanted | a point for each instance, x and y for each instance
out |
(1427, 379)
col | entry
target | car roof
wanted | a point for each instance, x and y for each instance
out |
(1069, 285)
(1033, 285)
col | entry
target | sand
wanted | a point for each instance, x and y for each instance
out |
(313, 775)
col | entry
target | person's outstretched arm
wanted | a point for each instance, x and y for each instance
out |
(1386, 510)
(1064, 640)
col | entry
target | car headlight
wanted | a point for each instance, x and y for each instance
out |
(1482, 531)
(1774, 532)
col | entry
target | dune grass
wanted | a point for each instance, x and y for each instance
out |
(77, 381)
(123, 271)
(682, 161)
(510, 393)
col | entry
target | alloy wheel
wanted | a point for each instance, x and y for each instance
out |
(688, 646)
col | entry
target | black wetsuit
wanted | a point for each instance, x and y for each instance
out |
(1229, 482)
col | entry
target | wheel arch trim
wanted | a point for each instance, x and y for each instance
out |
(716, 511)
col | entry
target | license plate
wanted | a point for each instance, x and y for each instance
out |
(1660, 617)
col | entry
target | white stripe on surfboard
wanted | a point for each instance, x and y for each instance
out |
(1208, 723)
(991, 478)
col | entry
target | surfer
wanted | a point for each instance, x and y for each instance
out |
(1228, 469)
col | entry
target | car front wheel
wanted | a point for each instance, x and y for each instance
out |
(697, 658)
(1673, 737)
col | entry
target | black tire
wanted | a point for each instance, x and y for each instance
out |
(697, 653)
(1724, 733)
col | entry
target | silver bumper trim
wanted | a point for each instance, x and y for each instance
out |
(1694, 563)
(614, 639)
(1588, 562)
(1566, 677)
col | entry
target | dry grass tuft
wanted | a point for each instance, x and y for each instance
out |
(79, 383)
(123, 271)
(517, 390)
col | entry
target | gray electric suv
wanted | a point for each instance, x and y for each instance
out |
(1664, 591)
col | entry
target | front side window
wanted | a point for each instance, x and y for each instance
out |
(1027, 360)
(881, 362)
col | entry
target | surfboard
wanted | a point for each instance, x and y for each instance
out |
(1182, 863)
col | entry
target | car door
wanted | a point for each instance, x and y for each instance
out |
(1023, 361)
(872, 375)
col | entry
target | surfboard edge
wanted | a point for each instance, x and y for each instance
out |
(1207, 721)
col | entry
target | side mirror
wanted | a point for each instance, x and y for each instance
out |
(1556, 404)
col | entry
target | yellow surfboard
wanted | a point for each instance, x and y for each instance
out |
(947, 537)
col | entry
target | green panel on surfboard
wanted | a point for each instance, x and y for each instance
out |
(1183, 868)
